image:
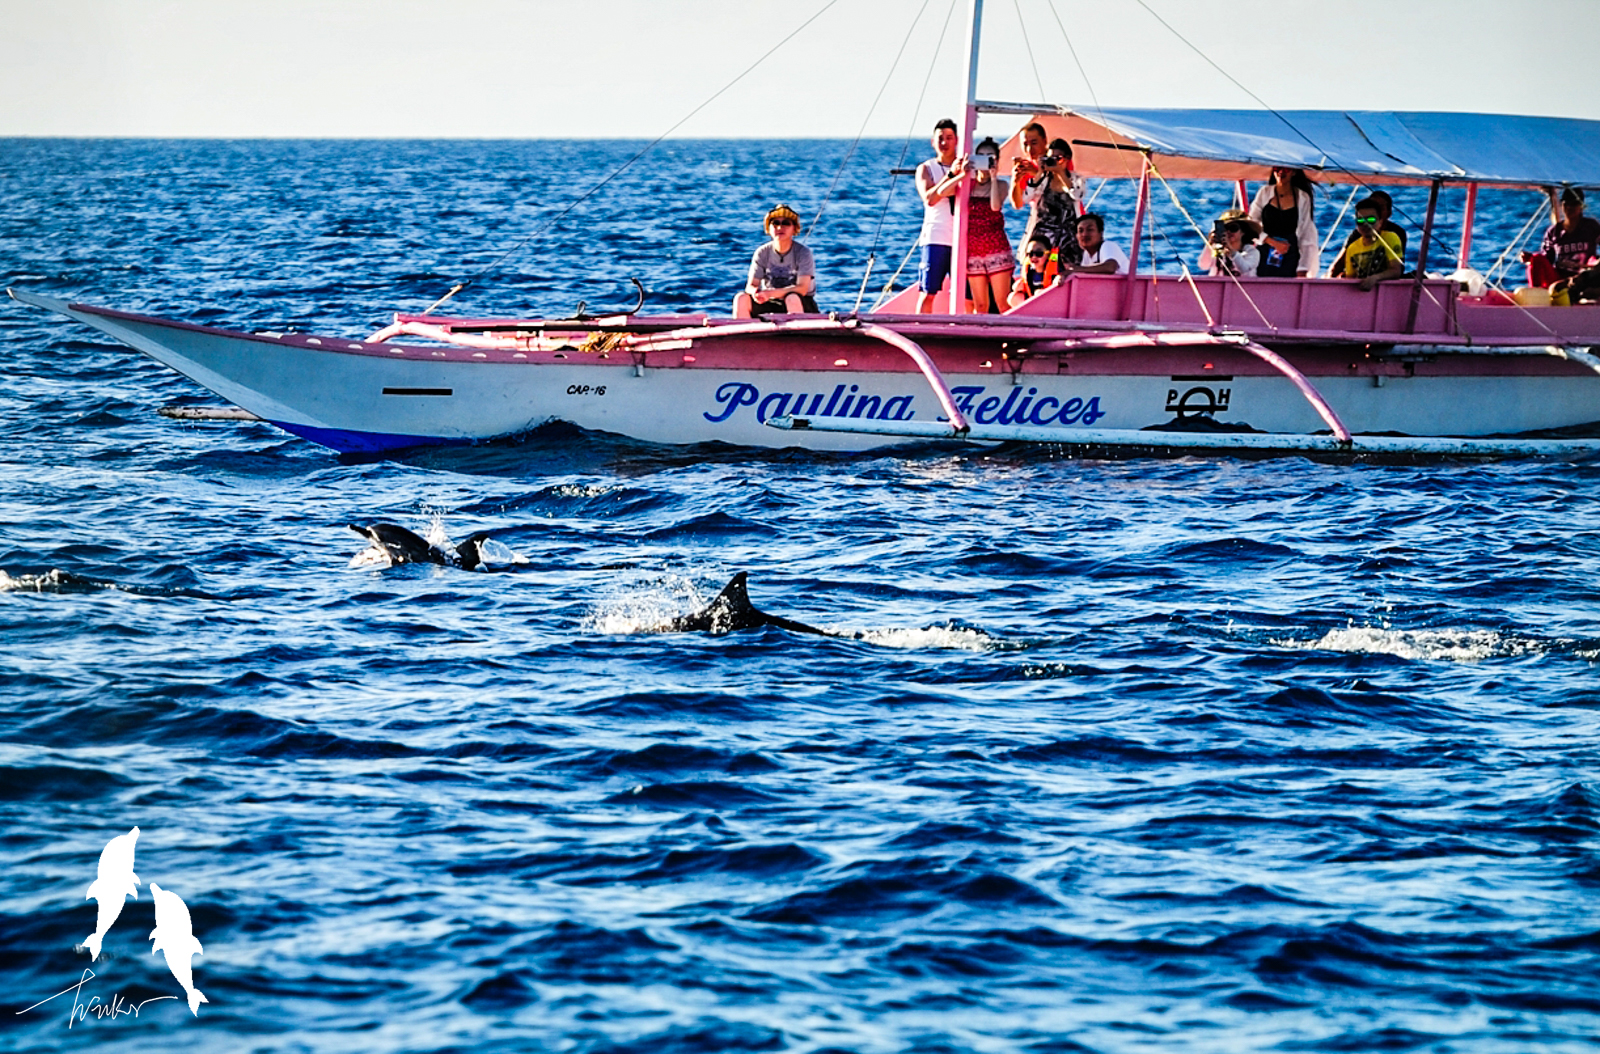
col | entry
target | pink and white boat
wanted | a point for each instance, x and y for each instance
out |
(1128, 360)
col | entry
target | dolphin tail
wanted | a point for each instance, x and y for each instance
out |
(93, 945)
(195, 999)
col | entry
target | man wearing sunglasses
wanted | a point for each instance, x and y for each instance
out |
(1375, 254)
(782, 272)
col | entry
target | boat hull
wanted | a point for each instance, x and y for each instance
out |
(356, 396)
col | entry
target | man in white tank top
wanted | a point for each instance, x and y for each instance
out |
(937, 181)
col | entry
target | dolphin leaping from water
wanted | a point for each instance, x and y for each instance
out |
(731, 612)
(174, 938)
(113, 881)
(406, 547)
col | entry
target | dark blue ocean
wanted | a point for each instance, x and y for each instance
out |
(1113, 756)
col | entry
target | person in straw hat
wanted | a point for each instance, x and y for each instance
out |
(1231, 249)
(783, 275)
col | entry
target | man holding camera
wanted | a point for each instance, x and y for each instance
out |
(1050, 190)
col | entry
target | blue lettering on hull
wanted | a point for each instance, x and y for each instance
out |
(1017, 407)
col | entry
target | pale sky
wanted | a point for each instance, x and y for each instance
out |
(634, 68)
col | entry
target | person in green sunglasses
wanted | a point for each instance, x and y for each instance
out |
(1375, 254)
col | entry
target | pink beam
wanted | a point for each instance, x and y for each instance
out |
(1466, 226)
(1138, 229)
(1314, 397)
(445, 335)
(677, 338)
(969, 126)
(1145, 340)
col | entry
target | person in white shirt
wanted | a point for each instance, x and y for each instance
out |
(938, 179)
(1099, 255)
(1231, 249)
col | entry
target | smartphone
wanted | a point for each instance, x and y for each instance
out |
(984, 162)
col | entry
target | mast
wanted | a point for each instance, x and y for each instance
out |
(969, 124)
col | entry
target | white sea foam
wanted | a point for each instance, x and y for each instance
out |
(646, 606)
(496, 554)
(1440, 645)
(435, 534)
(52, 581)
(936, 638)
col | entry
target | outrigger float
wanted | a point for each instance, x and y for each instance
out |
(1142, 360)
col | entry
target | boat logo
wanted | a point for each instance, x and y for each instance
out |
(1199, 401)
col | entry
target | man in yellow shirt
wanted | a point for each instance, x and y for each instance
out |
(1375, 255)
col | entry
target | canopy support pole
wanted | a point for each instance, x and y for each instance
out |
(1422, 259)
(1241, 197)
(1138, 229)
(1464, 257)
(969, 126)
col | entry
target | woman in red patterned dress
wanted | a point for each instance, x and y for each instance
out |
(990, 262)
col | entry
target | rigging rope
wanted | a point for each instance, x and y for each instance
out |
(894, 176)
(1093, 95)
(497, 261)
(848, 154)
(1026, 43)
(1340, 218)
(1515, 244)
(1357, 180)
(1173, 194)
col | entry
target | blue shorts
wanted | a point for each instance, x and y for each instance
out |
(935, 268)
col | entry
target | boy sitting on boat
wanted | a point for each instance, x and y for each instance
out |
(1385, 205)
(783, 275)
(1375, 255)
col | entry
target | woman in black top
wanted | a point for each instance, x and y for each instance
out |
(1284, 210)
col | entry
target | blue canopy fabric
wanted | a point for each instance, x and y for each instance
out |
(1354, 146)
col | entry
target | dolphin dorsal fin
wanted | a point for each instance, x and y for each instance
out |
(735, 596)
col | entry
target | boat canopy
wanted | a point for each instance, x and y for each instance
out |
(1366, 147)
